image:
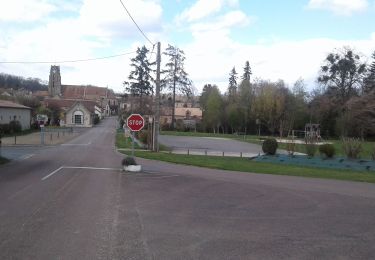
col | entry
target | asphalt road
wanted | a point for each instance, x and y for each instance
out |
(209, 144)
(72, 202)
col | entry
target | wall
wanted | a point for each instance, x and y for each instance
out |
(22, 115)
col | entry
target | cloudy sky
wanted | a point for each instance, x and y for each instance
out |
(281, 39)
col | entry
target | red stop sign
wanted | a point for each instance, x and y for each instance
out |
(135, 122)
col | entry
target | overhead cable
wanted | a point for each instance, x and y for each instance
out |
(69, 61)
(131, 17)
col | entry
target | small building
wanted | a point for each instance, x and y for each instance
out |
(10, 111)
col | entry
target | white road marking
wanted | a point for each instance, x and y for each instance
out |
(52, 173)
(77, 144)
(27, 156)
(91, 168)
(78, 167)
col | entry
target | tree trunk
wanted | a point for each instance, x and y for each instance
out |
(174, 94)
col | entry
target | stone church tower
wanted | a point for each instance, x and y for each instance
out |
(54, 83)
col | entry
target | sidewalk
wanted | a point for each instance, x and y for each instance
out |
(50, 138)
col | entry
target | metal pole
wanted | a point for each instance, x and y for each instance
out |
(133, 143)
(157, 96)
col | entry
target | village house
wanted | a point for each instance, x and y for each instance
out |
(10, 111)
(78, 104)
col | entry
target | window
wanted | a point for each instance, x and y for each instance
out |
(77, 119)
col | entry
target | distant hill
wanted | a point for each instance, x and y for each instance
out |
(8, 81)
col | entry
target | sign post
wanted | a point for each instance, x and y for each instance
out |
(135, 122)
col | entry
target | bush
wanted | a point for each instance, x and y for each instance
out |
(328, 150)
(291, 147)
(269, 146)
(352, 147)
(5, 129)
(15, 126)
(311, 149)
(96, 119)
(373, 152)
(143, 137)
(128, 161)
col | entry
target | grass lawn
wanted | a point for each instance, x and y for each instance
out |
(122, 142)
(246, 165)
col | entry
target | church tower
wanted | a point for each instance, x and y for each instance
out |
(54, 83)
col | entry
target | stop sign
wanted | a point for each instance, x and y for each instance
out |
(135, 122)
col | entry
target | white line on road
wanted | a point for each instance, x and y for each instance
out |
(76, 144)
(52, 173)
(91, 168)
(78, 167)
(27, 156)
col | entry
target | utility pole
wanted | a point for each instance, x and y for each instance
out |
(157, 101)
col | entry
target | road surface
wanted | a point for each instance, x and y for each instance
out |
(209, 144)
(73, 202)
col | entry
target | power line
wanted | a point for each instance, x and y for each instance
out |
(144, 35)
(67, 61)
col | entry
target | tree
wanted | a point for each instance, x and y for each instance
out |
(214, 110)
(369, 82)
(360, 115)
(140, 79)
(232, 88)
(342, 74)
(176, 78)
(246, 98)
(247, 71)
(207, 89)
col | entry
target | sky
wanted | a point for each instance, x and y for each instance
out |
(285, 40)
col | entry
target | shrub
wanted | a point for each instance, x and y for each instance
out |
(15, 126)
(143, 137)
(328, 150)
(311, 149)
(128, 161)
(352, 147)
(96, 119)
(373, 153)
(269, 146)
(291, 147)
(5, 129)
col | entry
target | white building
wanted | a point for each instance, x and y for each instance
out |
(10, 111)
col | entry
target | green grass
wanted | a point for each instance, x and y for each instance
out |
(246, 165)
(122, 142)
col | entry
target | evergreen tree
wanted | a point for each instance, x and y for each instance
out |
(247, 71)
(369, 82)
(140, 79)
(232, 88)
(175, 76)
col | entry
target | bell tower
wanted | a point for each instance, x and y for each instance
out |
(54, 83)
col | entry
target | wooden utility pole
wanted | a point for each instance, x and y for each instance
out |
(157, 101)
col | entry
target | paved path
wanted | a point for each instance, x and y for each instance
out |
(210, 145)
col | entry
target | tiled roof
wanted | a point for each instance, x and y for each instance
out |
(10, 104)
(86, 92)
(66, 104)
(41, 93)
